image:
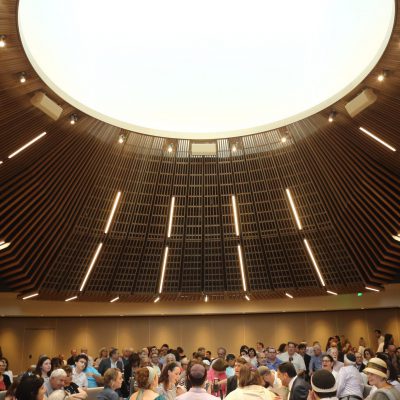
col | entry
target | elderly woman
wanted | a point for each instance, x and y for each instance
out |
(112, 382)
(251, 386)
(377, 373)
(147, 382)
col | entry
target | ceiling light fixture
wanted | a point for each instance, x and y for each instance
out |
(123, 137)
(157, 299)
(114, 300)
(247, 297)
(73, 119)
(111, 216)
(1, 162)
(235, 216)
(372, 289)
(30, 296)
(376, 138)
(163, 270)
(96, 254)
(22, 77)
(332, 116)
(206, 298)
(310, 253)
(294, 211)
(3, 40)
(27, 145)
(383, 75)
(396, 237)
(284, 139)
(289, 295)
(242, 268)
(71, 298)
(171, 216)
(4, 245)
(330, 292)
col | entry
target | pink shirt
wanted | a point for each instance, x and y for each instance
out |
(211, 375)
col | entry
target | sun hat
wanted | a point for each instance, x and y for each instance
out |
(377, 366)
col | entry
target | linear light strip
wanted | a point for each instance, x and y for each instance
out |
(247, 297)
(370, 288)
(27, 145)
(71, 298)
(114, 207)
(310, 253)
(114, 300)
(157, 299)
(163, 270)
(296, 216)
(4, 245)
(30, 296)
(289, 295)
(235, 215)
(91, 266)
(330, 292)
(242, 268)
(377, 139)
(1, 162)
(206, 298)
(171, 216)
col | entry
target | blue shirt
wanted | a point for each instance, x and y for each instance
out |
(91, 381)
(315, 363)
(273, 365)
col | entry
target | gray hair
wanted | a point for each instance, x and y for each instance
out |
(58, 373)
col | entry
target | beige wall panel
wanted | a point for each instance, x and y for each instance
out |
(164, 330)
(133, 332)
(227, 332)
(100, 333)
(259, 328)
(320, 326)
(353, 326)
(387, 320)
(290, 327)
(196, 332)
(71, 334)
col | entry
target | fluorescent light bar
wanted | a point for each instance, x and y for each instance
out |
(235, 215)
(163, 270)
(71, 298)
(1, 162)
(91, 266)
(114, 300)
(4, 245)
(376, 138)
(289, 295)
(206, 298)
(247, 297)
(296, 216)
(30, 296)
(157, 299)
(171, 216)
(114, 207)
(27, 145)
(396, 237)
(314, 262)
(330, 292)
(242, 268)
(370, 288)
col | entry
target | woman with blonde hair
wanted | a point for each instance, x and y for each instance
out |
(103, 354)
(250, 386)
(147, 382)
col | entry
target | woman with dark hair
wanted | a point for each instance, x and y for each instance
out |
(7, 370)
(368, 354)
(282, 348)
(10, 394)
(30, 388)
(56, 363)
(217, 376)
(168, 381)
(130, 371)
(327, 363)
(253, 357)
(5, 382)
(388, 340)
(43, 368)
(147, 382)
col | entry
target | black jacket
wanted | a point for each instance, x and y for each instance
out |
(299, 390)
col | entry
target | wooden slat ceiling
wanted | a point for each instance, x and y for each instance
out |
(56, 196)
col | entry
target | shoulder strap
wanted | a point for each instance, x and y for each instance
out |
(140, 394)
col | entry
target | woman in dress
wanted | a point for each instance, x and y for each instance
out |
(377, 373)
(5, 382)
(169, 377)
(147, 382)
(43, 368)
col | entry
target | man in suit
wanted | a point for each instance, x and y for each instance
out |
(297, 386)
(112, 362)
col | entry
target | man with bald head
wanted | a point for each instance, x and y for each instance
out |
(197, 376)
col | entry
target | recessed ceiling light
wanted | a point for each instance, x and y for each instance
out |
(114, 299)
(157, 299)
(372, 289)
(30, 296)
(22, 77)
(27, 145)
(206, 298)
(330, 292)
(382, 75)
(396, 237)
(284, 139)
(3, 40)
(71, 298)
(332, 116)
(122, 138)
(377, 139)
(289, 295)
(4, 245)
(247, 297)
(73, 119)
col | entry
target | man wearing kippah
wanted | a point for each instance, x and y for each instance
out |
(323, 385)
(349, 382)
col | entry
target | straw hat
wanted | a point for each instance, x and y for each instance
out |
(377, 366)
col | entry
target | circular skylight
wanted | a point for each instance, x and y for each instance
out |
(204, 69)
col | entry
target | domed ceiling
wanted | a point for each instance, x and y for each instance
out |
(92, 210)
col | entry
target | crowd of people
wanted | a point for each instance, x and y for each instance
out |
(293, 371)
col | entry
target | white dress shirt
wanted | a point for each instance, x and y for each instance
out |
(349, 382)
(298, 361)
